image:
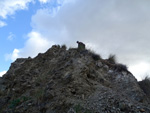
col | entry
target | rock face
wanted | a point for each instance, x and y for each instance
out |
(69, 81)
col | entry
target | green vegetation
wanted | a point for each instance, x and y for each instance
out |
(79, 109)
(18, 101)
(14, 103)
(39, 93)
(25, 98)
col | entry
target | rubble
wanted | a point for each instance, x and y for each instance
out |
(69, 81)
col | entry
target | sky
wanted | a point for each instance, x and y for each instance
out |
(119, 27)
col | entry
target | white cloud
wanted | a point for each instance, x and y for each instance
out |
(55, 1)
(99, 22)
(140, 69)
(2, 73)
(2, 24)
(12, 56)
(110, 26)
(8, 7)
(34, 45)
(15, 54)
(11, 36)
(43, 1)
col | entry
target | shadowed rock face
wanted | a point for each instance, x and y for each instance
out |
(68, 81)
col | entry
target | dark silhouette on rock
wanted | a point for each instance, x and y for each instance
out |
(81, 46)
(66, 81)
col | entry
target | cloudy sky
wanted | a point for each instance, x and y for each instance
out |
(119, 27)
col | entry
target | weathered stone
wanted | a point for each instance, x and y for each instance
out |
(71, 110)
(106, 67)
(142, 110)
(99, 64)
(68, 81)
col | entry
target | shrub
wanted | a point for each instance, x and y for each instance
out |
(94, 55)
(14, 103)
(39, 93)
(25, 98)
(145, 85)
(79, 109)
(120, 67)
(112, 59)
(64, 47)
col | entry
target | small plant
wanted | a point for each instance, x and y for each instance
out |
(64, 47)
(145, 85)
(14, 103)
(112, 59)
(95, 56)
(25, 98)
(79, 109)
(120, 67)
(39, 94)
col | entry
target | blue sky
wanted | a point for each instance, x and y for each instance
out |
(13, 33)
(28, 27)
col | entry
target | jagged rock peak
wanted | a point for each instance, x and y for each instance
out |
(70, 81)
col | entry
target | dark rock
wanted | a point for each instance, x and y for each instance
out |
(70, 81)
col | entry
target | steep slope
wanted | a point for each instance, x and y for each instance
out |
(70, 81)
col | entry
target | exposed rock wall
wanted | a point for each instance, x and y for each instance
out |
(69, 81)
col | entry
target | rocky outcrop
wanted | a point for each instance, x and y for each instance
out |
(69, 81)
